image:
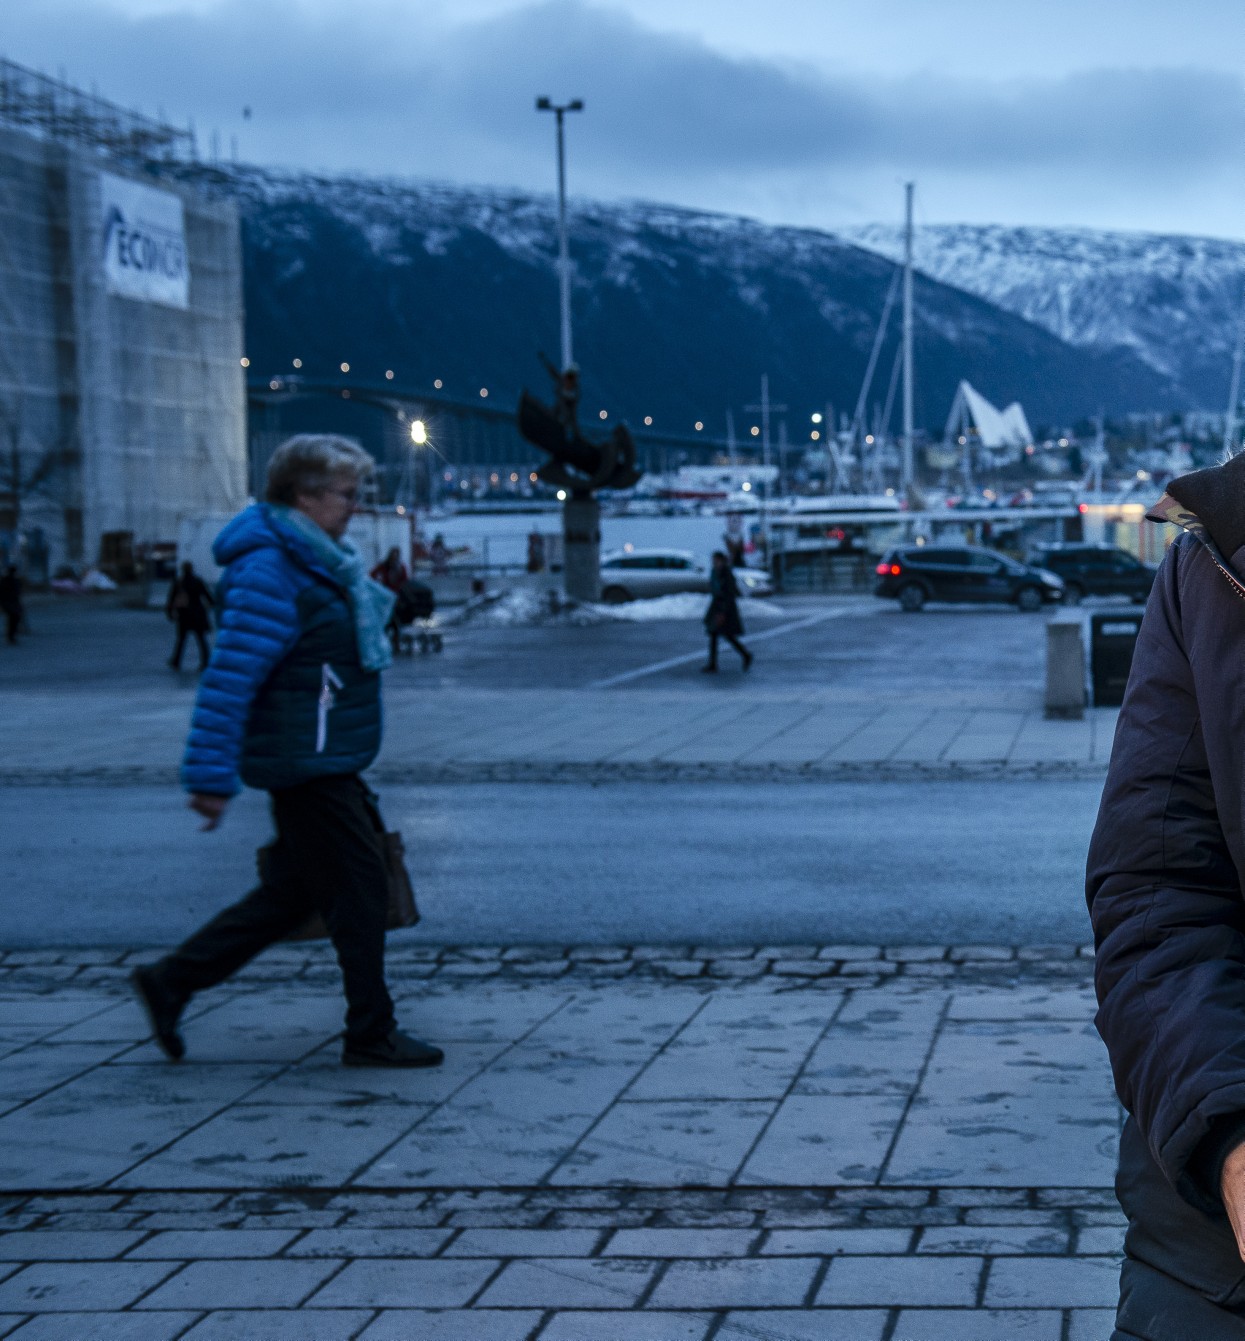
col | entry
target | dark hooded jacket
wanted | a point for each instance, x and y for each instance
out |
(1164, 884)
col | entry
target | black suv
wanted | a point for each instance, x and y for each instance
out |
(914, 574)
(1096, 570)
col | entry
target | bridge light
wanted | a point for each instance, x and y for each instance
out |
(419, 432)
(298, 363)
(345, 367)
(561, 495)
(437, 384)
(816, 419)
(484, 391)
(533, 477)
(246, 363)
(815, 435)
(699, 426)
(605, 414)
(388, 374)
(756, 432)
(648, 421)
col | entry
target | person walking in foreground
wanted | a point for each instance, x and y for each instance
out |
(290, 703)
(187, 606)
(11, 603)
(722, 617)
(1164, 885)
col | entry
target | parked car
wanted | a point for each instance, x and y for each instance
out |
(628, 575)
(914, 574)
(1096, 570)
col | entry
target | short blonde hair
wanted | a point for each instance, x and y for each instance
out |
(308, 463)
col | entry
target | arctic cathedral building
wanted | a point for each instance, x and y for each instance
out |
(122, 399)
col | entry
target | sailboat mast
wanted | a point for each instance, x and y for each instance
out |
(1234, 392)
(907, 468)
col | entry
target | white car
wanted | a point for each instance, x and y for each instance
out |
(634, 574)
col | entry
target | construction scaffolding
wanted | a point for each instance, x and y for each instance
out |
(122, 403)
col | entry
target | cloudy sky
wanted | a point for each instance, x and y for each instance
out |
(1108, 113)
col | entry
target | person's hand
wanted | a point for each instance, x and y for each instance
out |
(212, 808)
(1232, 1190)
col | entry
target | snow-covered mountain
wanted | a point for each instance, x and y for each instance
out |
(677, 312)
(1173, 301)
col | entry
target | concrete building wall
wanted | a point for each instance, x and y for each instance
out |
(116, 413)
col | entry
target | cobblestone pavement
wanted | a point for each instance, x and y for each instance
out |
(787, 1142)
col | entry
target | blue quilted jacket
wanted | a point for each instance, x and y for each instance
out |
(284, 697)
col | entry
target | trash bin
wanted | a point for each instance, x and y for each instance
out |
(1112, 637)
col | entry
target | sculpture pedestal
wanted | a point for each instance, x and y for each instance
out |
(581, 557)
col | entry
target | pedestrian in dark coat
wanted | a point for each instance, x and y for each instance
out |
(290, 703)
(1164, 885)
(11, 602)
(188, 604)
(722, 617)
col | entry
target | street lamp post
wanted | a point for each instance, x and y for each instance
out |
(564, 255)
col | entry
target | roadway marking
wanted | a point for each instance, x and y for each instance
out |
(654, 668)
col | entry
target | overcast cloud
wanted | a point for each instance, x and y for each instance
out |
(672, 115)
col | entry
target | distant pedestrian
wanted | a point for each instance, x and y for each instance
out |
(535, 552)
(722, 617)
(440, 556)
(391, 572)
(290, 703)
(11, 603)
(188, 604)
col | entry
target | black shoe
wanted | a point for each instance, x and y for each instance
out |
(395, 1049)
(163, 1012)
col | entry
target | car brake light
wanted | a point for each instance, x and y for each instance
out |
(883, 569)
(895, 570)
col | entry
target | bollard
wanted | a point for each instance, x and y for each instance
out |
(1065, 668)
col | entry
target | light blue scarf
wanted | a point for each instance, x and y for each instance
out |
(370, 603)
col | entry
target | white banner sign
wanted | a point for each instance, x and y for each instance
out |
(144, 243)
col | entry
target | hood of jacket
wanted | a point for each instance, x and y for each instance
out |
(257, 527)
(1210, 504)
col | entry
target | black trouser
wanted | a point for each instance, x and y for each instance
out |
(182, 631)
(13, 621)
(328, 858)
(730, 638)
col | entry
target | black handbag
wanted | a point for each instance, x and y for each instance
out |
(403, 910)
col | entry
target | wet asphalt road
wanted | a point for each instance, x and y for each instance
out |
(725, 863)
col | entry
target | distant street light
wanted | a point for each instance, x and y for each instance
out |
(419, 432)
(564, 256)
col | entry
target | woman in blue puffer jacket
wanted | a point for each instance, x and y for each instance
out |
(290, 703)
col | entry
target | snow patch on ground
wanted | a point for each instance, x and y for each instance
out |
(526, 607)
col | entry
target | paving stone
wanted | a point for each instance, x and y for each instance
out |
(649, 952)
(262, 1283)
(967, 954)
(788, 951)
(406, 1283)
(539, 968)
(518, 1217)
(661, 1242)
(524, 1243)
(982, 1196)
(914, 954)
(1101, 1240)
(57, 1245)
(599, 1219)
(635, 1326)
(935, 969)
(724, 951)
(1113, 1219)
(998, 1215)
(848, 952)
(854, 968)
(677, 968)
(50, 1287)
(476, 1324)
(598, 954)
(738, 968)
(820, 1324)
(1052, 1282)
(831, 1242)
(349, 1242)
(685, 1217)
(961, 1324)
(949, 1282)
(1003, 1241)
(291, 1220)
(819, 1218)
(922, 1215)
(1091, 1324)
(191, 1244)
(88, 1326)
(87, 1221)
(773, 1282)
(468, 968)
(873, 1197)
(1100, 1197)
(802, 968)
(831, 1138)
(567, 1283)
(304, 1324)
